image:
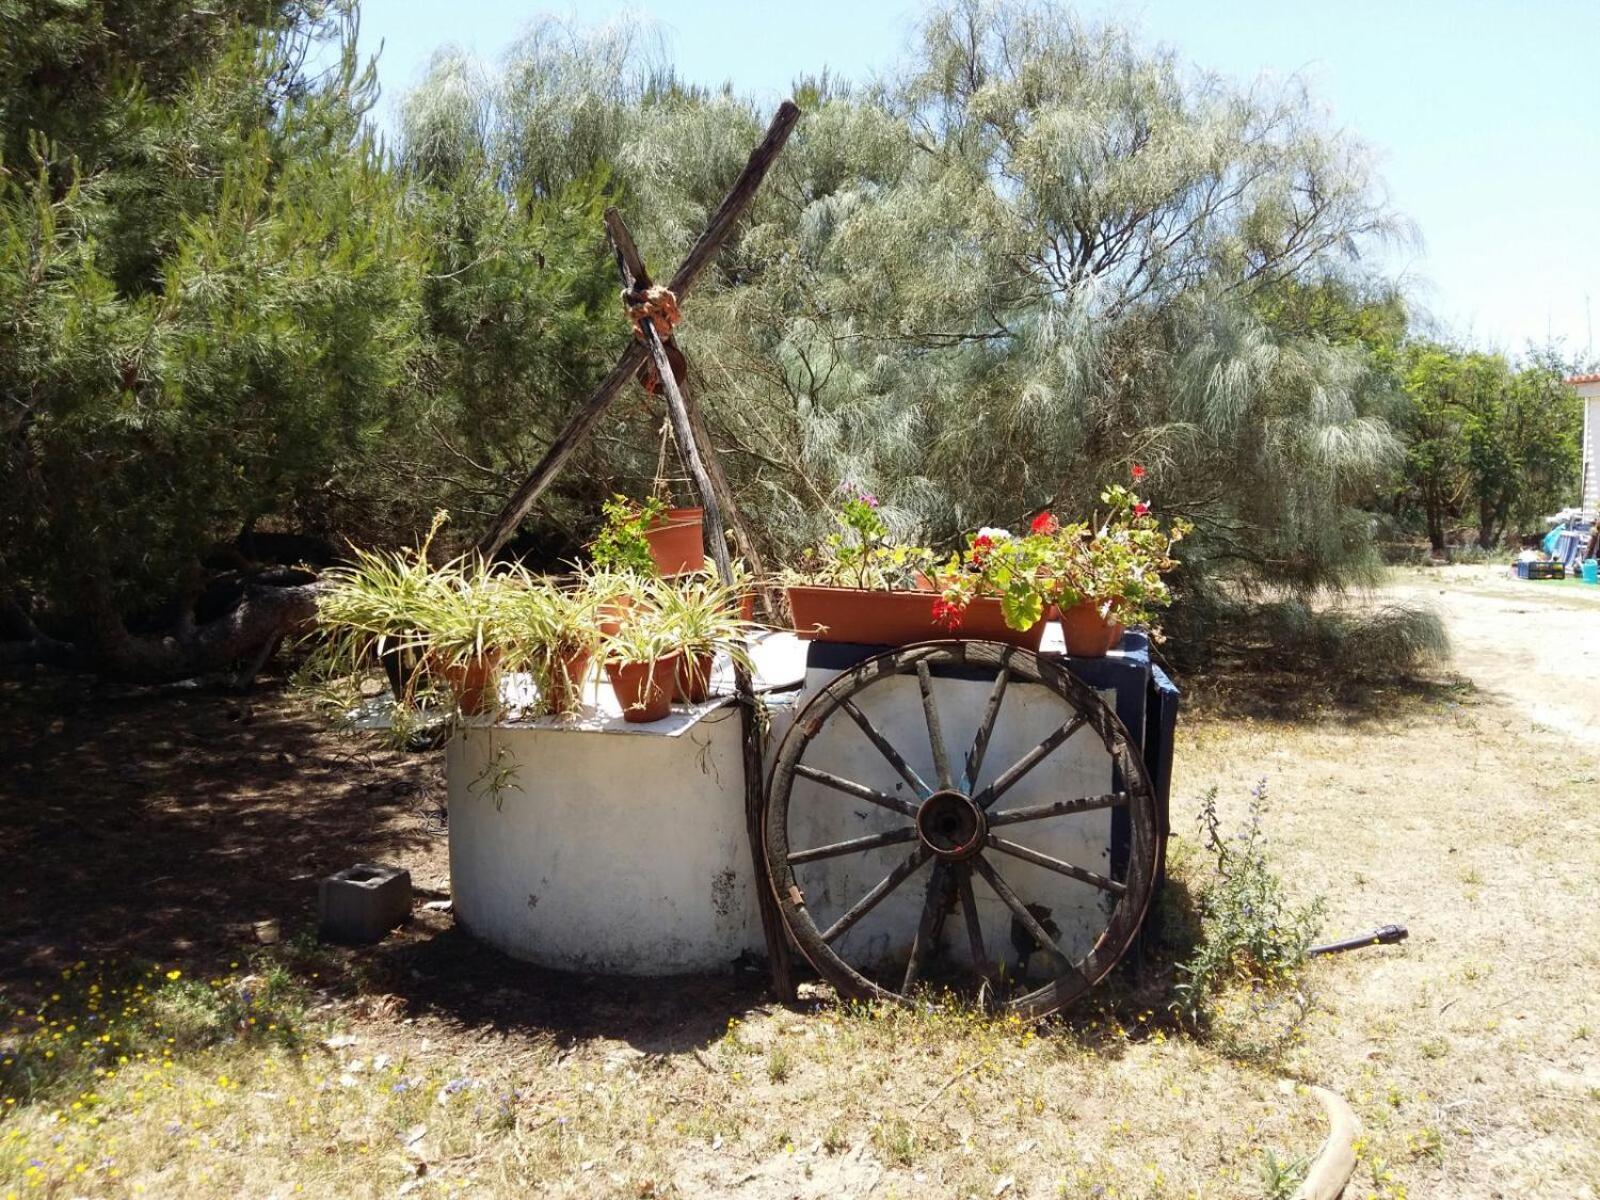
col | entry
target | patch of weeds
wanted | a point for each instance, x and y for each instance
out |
(1434, 1048)
(99, 1019)
(778, 1065)
(1279, 1177)
(896, 1140)
(834, 1140)
(1241, 982)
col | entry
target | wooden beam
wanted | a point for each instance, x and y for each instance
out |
(634, 275)
(700, 255)
(631, 265)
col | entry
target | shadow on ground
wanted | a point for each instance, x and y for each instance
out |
(145, 826)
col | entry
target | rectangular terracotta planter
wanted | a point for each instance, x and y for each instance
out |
(874, 618)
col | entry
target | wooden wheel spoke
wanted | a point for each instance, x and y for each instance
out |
(871, 900)
(1013, 774)
(969, 914)
(1058, 808)
(930, 710)
(1019, 910)
(980, 740)
(934, 908)
(860, 845)
(896, 759)
(859, 790)
(1060, 867)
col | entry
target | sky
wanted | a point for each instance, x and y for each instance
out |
(1483, 117)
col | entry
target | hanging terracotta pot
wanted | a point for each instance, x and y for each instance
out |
(677, 542)
(565, 684)
(475, 682)
(693, 681)
(875, 618)
(1087, 633)
(644, 690)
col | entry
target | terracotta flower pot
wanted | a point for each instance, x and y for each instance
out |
(677, 543)
(693, 679)
(1087, 633)
(644, 690)
(829, 614)
(567, 675)
(613, 613)
(475, 683)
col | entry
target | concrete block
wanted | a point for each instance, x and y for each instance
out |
(364, 902)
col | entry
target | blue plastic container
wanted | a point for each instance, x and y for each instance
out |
(1591, 570)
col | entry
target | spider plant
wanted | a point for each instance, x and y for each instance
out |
(703, 615)
(552, 632)
(414, 618)
(641, 657)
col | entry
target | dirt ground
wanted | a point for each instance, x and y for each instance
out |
(1530, 645)
(162, 828)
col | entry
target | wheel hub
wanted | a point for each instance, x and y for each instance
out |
(951, 825)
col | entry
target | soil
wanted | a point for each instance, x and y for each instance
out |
(174, 825)
(1533, 645)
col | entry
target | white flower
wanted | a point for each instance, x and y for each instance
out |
(993, 533)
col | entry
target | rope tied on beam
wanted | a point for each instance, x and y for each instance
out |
(655, 304)
(659, 306)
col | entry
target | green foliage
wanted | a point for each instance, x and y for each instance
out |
(621, 544)
(861, 551)
(1490, 443)
(1253, 935)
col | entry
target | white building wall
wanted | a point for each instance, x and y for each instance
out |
(1590, 494)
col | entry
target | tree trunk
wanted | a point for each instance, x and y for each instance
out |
(245, 635)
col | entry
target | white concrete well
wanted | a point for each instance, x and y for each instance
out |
(622, 849)
(596, 845)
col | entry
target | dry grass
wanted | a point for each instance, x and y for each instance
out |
(433, 1068)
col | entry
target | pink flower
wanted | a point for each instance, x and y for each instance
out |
(1140, 509)
(1138, 471)
(1045, 523)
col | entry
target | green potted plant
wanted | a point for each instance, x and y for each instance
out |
(1002, 586)
(1117, 573)
(444, 622)
(705, 618)
(861, 585)
(649, 538)
(554, 632)
(641, 660)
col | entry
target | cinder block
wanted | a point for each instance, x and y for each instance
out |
(364, 902)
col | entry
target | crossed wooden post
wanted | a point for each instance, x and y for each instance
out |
(694, 442)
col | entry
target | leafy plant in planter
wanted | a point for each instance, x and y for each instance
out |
(704, 615)
(648, 538)
(621, 544)
(444, 623)
(553, 632)
(862, 585)
(641, 660)
(1119, 571)
(1004, 585)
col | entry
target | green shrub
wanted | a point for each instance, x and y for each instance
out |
(1253, 935)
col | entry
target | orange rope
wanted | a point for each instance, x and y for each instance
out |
(654, 304)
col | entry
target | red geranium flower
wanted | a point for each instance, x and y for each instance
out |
(1045, 523)
(1140, 509)
(947, 614)
(1138, 471)
(981, 545)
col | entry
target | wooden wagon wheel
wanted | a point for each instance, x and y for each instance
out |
(962, 828)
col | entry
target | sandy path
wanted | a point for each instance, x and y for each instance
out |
(1535, 647)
